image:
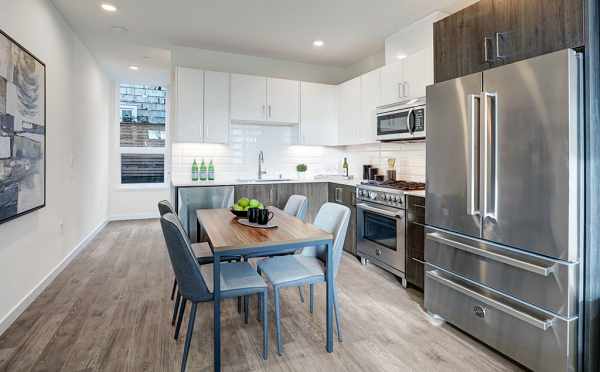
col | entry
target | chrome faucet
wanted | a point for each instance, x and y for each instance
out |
(261, 160)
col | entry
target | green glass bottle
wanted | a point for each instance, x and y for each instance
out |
(194, 171)
(345, 166)
(211, 171)
(203, 175)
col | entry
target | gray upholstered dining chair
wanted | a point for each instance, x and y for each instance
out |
(195, 281)
(309, 266)
(204, 256)
(297, 206)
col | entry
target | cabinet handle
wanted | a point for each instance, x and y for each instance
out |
(263, 110)
(486, 53)
(499, 37)
(338, 195)
(406, 89)
(269, 110)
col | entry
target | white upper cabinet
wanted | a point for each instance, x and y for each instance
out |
(260, 99)
(407, 78)
(319, 114)
(370, 98)
(216, 107)
(283, 104)
(418, 73)
(189, 105)
(350, 116)
(392, 84)
(248, 97)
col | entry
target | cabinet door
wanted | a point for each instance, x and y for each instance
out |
(266, 194)
(458, 42)
(370, 98)
(528, 28)
(350, 112)
(216, 107)
(392, 80)
(415, 240)
(418, 73)
(284, 101)
(318, 118)
(345, 195)
(190, 95)
(248, 97)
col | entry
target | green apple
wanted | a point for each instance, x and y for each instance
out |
(243, 202)
(254, 203)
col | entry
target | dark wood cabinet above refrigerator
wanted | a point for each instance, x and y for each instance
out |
(496, 32)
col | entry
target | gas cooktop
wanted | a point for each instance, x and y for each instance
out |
(397, 185)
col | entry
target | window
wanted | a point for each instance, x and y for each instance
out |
(143, 118)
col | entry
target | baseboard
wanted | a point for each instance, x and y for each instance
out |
(39, 288)
(134, 216)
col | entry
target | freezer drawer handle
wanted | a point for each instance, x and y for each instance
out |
(542, 324)
(533, 268)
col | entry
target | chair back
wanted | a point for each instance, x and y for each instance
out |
(187, 270)
(164, 207)
(297, 205)
(333, 218)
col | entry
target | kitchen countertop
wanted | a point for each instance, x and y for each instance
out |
(189, 183)
(353, 182)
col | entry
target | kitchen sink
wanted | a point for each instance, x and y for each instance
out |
(264, 180)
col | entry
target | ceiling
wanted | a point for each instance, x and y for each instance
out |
(284, 29)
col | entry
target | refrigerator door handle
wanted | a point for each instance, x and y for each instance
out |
(473, 171)
(489, 120)
(523, 265)
(543, 324)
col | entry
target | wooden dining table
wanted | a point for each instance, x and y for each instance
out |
(227, 237)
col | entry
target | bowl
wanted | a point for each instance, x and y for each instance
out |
(241, 214)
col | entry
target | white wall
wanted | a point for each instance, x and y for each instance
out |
(32, 246)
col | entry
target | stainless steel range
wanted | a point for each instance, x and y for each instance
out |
(381, 224)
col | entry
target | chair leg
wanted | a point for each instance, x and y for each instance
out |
(246, 309)
(265, 324)
(239, 301)
(259, 306)
(301, 291)
(175, 308)
(337, 316)
(180, 318)
(188, 336)
(311, 300)
(174, 289)
(277, 320)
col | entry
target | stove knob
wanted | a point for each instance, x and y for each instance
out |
(373, 195)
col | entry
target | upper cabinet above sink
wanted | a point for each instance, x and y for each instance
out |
(261, 99)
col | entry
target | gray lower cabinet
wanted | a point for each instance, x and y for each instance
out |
(278, 194)
(265, 193)
(415, 241)
(315, 192)
(346, 195)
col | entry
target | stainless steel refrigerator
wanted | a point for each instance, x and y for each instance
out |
(504, 207)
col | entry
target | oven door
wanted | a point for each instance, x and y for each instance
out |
(380, 235)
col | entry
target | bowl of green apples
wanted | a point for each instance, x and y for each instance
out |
(240, 209)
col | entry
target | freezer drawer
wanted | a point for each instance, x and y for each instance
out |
(549, 284)
(536, 339)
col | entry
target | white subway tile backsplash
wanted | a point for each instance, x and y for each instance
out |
(239, 159)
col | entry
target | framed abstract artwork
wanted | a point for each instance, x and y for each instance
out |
(22, 130)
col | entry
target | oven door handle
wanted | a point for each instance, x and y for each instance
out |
(382, 212)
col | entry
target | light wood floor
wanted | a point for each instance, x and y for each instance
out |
(109, 311)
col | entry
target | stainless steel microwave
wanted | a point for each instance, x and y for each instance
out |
(404, 121)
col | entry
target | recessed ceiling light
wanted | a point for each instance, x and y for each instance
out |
(119, 29)
(318, 43)
(134, 67)
(401, 56)
(109, 7)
